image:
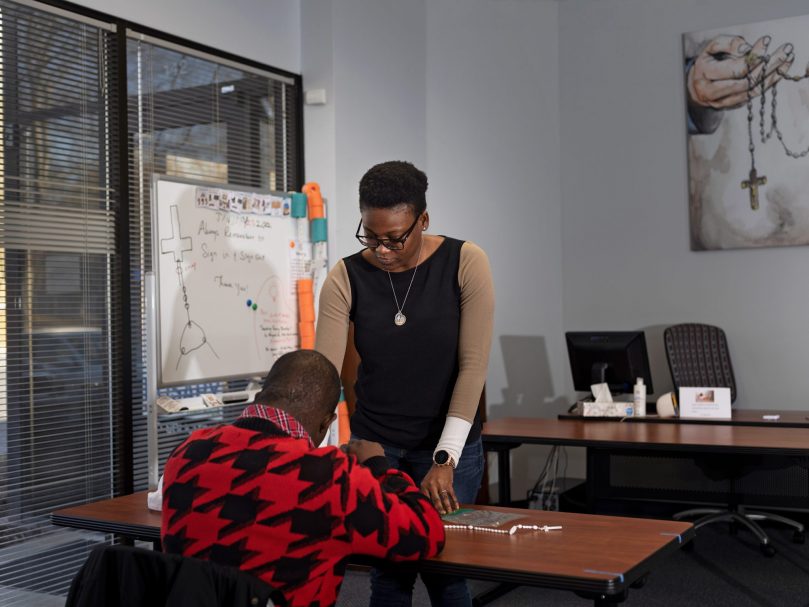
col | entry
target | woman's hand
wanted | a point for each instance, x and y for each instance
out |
(437, 486)
(363, 449)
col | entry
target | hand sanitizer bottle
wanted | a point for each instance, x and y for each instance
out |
(640, 398)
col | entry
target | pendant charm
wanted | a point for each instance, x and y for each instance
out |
(753, 183)
(399, 319)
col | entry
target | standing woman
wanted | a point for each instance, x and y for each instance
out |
(422, 308)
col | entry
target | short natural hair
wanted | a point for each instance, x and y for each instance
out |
(392, 183)
(304, 382)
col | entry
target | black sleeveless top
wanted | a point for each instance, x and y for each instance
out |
(407, 373)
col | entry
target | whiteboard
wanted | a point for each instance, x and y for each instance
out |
(226, 261)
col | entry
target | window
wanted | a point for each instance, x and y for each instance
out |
(89, 112)
(196, 116)
(59, 386)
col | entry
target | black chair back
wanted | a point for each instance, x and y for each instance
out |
(125, 576)
(698, 356)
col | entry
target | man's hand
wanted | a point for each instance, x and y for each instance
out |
(363, 449)
(727, 66)
(437, 486)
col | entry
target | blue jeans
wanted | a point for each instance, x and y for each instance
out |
(392, 584)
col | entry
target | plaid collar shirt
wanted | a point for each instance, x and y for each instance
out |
(282, 419)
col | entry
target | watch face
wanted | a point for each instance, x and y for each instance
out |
(441, 457)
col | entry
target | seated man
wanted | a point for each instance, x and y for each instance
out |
(260, 495)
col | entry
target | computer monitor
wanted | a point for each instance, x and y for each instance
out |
(616, 358)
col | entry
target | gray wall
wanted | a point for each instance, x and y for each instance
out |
(553, 134)
(370, 58)
(492, 156)
(626, 258)
(263, 30)
(448, 85)
(492, 150)
(468, 91)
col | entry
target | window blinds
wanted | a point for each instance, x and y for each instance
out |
(59, 325)
(89, 112)
(197, 116)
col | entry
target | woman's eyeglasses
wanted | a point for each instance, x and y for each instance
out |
(392, 244)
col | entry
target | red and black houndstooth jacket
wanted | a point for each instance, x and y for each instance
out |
(251, 496)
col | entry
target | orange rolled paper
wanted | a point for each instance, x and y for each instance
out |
(306, 314)
(315, 200)
(306, 301)
(306, 331)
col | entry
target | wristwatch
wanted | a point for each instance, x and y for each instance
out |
(442, 458)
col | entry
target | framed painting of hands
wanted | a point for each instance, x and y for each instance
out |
(747, 114)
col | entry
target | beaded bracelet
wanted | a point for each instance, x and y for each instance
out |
(510, 531)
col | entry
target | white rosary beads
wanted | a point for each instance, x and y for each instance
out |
(511, 531)
(544, 528)
(474, 528)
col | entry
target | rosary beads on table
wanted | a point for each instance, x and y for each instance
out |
(510, 531)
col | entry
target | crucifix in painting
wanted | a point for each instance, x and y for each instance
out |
(752, 183)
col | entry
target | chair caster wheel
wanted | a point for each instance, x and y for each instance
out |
(799, 537)
(767, 550)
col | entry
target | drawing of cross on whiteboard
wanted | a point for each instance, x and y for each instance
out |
(176, 244)
(193, 335)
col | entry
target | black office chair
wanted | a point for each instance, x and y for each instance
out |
(124, 576)
(698, 356)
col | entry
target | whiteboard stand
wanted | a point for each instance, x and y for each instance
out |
(151, 381)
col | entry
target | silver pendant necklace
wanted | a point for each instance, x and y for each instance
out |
(399, 318)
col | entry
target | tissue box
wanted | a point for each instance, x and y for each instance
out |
(613, 409)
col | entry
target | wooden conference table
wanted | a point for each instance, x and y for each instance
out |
(598, 557)
(751, 435)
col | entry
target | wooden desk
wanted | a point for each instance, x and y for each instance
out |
(502, 435)
(599, 557)
(127, 516)
(740, 417)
